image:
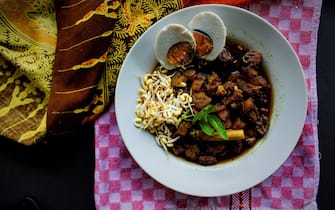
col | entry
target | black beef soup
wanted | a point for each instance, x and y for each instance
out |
(231, 99)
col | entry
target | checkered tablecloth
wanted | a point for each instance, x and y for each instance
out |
(121, 184)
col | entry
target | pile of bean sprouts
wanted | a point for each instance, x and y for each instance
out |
(160, 105)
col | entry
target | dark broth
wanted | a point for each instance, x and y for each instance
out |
(224, 70)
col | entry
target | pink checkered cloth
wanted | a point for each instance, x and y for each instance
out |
(121, 184)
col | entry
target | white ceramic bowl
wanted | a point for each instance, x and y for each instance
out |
(289, 111)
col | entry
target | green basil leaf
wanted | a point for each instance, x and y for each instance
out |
(206, 128)
(204, 112)
(216, 123)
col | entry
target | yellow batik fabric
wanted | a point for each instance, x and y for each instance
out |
(59, 61)
(27, 47)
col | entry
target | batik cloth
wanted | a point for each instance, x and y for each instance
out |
(59, 60)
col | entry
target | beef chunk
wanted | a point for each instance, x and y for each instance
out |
(235, 75)
(263, 125)
(213, 83)
(238, 124)
(178, 150)
(252, 57)
(247, 87)
(225, 56)
(223, 114)
(250, 132)
(262, 97)
(182, 129)
(190, 74)
(251, 141)
(236, 97)
(253, 116)
(254, 77)
(201, 100)
(250, 72)
(261, 129)
(260, 81)
(192, 152)
(198, 82)
(229, 87)
(248, 105)
(216, 149)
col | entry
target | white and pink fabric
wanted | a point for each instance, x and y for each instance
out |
(121, 184)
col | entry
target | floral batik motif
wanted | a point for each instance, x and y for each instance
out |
(26, 62)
